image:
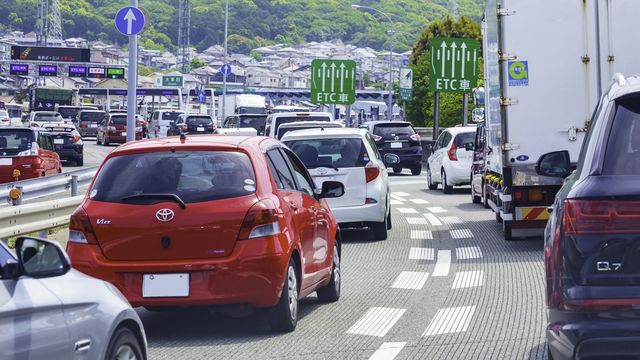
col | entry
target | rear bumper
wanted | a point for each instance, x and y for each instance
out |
(119, 139)
(70, 153)
(458, 172)
(360, 213)
(253, 274)
(88, 131)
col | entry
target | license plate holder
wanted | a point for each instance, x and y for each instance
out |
(200, 129)
(6, 161)
(396, 145)
(124, 133)
(165, 285)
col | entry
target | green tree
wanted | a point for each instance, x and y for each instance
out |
(197, 63)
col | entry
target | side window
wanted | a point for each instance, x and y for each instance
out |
(446, 139)
(439, 142)
(155, 116)
(280, 171)
(373, 145)
(300, 172)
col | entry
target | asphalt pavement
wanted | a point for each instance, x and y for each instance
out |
(93, 155)
(445, 285)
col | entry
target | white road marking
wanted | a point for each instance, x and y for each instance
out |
(468, 279)
(417, 221)
(410, 280)
(407, 210)
(472, 252)
(443, 263)
(401, 194)
(419, 201)
(411, 182)
(396, 202)
(461, 234)
(437, 210)
(450, 320)
(395, 197)
(376, 322)
(433, 219)
(421, 235)
(421, 254)
(451, 220)
(388, 351)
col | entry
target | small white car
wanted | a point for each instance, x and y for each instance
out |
(451, 158)
(38, 118)
(349, 156)
(275, 120)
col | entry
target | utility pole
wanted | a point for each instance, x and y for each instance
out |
(184, 29)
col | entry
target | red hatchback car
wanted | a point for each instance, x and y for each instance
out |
(26, 154)
(113, 129)
(209, 220)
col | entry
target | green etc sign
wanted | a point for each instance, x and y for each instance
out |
(333, 82)
(454, 65)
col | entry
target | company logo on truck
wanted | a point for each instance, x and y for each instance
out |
(518, 73)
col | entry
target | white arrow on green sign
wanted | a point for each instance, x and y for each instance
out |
(333, 81)
(454, 65)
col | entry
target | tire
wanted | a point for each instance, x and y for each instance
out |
(416, 170)
(485, 200)
(98, 142)
(124, 345)
(389, 224)
(105, 142)
(397, 170)
(379, 229)
(506, 228)
(80, 161)
(474, 199)
(447, 189)
(498, 218)
(331, 292)
(430, 184)
(284, 316)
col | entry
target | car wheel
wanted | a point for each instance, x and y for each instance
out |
(80, 162)
(446, 188)
(124, 345)
(379, 230)
(331, 292)
(416, 170)
(474, 199)
(105, 142)
(98, 142)
(397, 169)
(284, 316)
(506, 228)
(389, 224)
(430, 183)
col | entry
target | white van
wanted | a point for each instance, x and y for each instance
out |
(275, 120)
(160, 121)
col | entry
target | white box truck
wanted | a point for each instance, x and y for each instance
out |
(546, 64)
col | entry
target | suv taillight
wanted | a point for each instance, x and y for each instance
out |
(452, 152)
(377, 138)
(415, 137)
(371, 171)
(601, 217)
(80, 229)
(261, 220)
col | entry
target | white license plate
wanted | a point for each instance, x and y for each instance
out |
(124, 133)
(93, 125)
(58, 141)
(396, 145)
(200, 129)
(165, 285)
(6, 161)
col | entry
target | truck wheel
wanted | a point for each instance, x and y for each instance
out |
(416, 170)
(506, 228)
(498, 218)
(80, 162)
(474, 199)
(446, 188)
(430, 183)
(485, 200)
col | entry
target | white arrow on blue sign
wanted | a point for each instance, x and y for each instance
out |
(129, 20)
(225, 69)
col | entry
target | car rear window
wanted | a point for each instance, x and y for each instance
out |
(171, 115)
(341, 153)
(622, 155)
(199, 120)
(194, 176)
(290, 119)
(464, 138)
(389, 130)
(92, 116)
(14, 141)
(47, 118)
(119, 120)
(68, 113)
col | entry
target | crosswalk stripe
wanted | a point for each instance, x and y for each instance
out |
(410, 280)
(407, 210)
(437, 210)
(396, 202)
(461, 234)
(421, 235)
(401, 194)
(399, 198)
(433, 219)
(417, 221)
(443, 263)
(388, 351)
(419, 201)
(468, 279)
(450, 320)
(451, 220)
(376, 322)
(421, 254)
(465, 253)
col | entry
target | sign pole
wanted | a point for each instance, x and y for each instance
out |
(132, 83)
(436, 115)
(465, 109)
(224, 73)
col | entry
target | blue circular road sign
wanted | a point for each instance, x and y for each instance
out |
(225, 69)
(129, 20)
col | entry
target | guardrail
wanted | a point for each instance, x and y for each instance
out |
(29, 218)
(17, 192)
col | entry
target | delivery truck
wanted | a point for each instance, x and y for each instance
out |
(547, 62)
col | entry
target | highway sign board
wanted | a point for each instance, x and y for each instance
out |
(173, 81)
(57, 54)
(77, 71)
(454, 65)
(225, 69)
(48, 70)
(129, 20)
(115, 73)
(333, 81)
(19, 69)
(406, 83)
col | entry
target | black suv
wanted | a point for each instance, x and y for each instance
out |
(191, 124)
(398, 137)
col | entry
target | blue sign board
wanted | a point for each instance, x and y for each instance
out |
(201, 95)
(405, 62)
(129, 20)
(518, 73)
(225, 69)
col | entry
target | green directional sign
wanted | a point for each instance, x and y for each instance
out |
(172, 81)
(454, 65)
(333, 81)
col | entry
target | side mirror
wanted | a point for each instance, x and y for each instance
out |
(429, 147)
(331, 189)
(39, 258)
(391, 159)
(554, 164)
(469, 146)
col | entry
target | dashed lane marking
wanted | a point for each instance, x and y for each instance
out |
(461, 234)
(437, 210)
(465, 253)
(419, 201)
(468, 279)
(433, 219)
(421, 254)
(407, 210)
(396, 202)
(388, 351)
(451, 220)
(376, 322)
(410, 280)
(417, 221)
(443, 263)
(401, 194)
(408, 182)
(450, 320)
(421, 235)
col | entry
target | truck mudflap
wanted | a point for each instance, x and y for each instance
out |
(534, 213)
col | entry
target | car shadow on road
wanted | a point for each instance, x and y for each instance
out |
(538, 352)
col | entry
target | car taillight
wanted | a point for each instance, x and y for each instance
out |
(415, 137)
(80, 229)
(452, 153)
(261, 220)
(601, 217)
(185, 127)
(377, 138)
(371, 171)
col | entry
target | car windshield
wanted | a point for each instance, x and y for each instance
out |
(389, 130)
(194, 176)
(199, 120)
(119, 120)
(68, 113)
(290, 119)
(256, 122)
(285, 129)
(171, 115)
(465, 138)
(14, 141)
(47, 118)
(341, 153)
(622, 156)
(92, 116)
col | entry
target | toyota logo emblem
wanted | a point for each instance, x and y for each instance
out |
(322, 171)
(397, 138)
(165, 215)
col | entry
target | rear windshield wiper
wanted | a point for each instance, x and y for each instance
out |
(331, 166)
(167, 196)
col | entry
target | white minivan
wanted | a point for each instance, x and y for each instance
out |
(451, 158)
(160, 121)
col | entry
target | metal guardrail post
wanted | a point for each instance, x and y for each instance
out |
(18, 201)
(74, 185)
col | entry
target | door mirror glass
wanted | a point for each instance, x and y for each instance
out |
(554, 164)
(391, 159)
(39, 258)
(469, 146)
(331, 189)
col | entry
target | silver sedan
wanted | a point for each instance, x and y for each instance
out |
(49, 311)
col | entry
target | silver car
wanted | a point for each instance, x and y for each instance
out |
(49, 311)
